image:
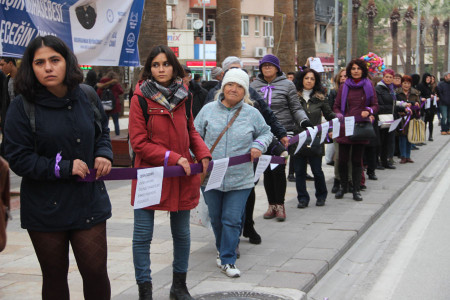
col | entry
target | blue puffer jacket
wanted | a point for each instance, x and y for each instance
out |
(65, 125)
(249, 130)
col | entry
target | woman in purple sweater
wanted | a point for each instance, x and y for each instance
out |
(356, 97)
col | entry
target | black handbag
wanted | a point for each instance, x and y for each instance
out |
(363, 131)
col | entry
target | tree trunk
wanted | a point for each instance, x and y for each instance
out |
(306, 44)
(356, 5)
(422, 46)
(446, 29)
(395, 17)
(228, 18)
(371, 12)
(284, 34)
(435, 44)
(408, 48)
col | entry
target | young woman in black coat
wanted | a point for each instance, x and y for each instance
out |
(55, 208)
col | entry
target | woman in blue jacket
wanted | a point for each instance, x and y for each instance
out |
(55, 208)
(249, 133)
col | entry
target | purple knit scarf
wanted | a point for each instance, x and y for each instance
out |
(350, 84)
(391, 88)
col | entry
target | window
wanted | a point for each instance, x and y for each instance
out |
(244, 25)
(256, 26)
(268, 26)
(190, 18)
(323, 34)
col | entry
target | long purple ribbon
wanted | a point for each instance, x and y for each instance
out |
(268, 90)
(57, 168)
(172, 171)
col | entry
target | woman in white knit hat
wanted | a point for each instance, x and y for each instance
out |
(249, 133)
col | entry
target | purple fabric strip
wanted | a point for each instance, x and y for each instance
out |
(172, 171)
(370, 110)
(260, 143)
(57, 168)
(268, 90)
(166, 158)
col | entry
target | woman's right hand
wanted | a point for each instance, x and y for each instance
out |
(80, 168)
(185, 164)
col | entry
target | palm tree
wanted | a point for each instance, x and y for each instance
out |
(306, 45)
(395, 18)
(422, 45)
(446, 29)
(284, 33)
(371, 12)
(356, 6)
(228, 18)
(409, 16)
(435, 26)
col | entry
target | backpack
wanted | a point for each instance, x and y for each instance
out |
(93, 99)
(108, 99)
(144, 107)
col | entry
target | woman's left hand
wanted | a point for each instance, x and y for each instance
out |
(205, 163)
(255, 153)
(364, 114)
(103, 166)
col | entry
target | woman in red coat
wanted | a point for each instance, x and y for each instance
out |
(165, 141)
(356, 97)
(111, 81)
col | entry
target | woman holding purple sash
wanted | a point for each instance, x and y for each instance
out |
(356, 97)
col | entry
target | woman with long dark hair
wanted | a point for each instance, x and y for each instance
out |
(55, 208)
(314, 103)
(165, 140)
(356, 97)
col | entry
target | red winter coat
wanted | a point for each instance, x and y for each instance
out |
(166, 131)
(117, 91)
(356, 103)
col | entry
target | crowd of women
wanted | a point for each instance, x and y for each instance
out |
(68, 137)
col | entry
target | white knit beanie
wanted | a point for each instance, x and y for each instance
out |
(237, 76)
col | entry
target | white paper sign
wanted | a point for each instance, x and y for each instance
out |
(394, 124)
(428, 103)
(435, 100)
(313, 133)
(336, 128)
(349, 125)
(301, 141)
(263, 163)
(316, 64)
(148, 187)
(325, 127)
(218, 172)
(273, 166)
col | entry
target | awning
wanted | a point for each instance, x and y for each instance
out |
(250, 62)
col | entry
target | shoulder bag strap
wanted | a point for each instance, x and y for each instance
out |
(236, 114)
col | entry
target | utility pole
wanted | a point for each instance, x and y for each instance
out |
(349, 31)
(204, 39)
(336, 35)
(418, 38)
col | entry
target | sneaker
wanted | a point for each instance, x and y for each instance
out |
(230, 270)
(271, 212)
(218, 261)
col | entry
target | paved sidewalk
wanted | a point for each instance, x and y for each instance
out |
(292, 257)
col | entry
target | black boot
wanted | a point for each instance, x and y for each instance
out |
(335, 187)
(250, 232)
(179, 290)
(145, 291)
(356, 177)
(357, 195)
(340, 193)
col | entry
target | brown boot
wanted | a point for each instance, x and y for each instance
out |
(280, 213)
(271, 212)
(403, 160)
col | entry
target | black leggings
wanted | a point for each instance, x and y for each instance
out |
(275, 184)
(429, 117)
(90, 251)
(356, 158)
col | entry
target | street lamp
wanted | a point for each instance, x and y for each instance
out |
(204, 2)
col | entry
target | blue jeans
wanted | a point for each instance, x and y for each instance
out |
(115, 117)
(404, 146)
(445, 112)
(142, 237)
(300, 164)
(226, 210)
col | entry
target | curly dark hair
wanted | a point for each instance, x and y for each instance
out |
(178, 70)
(26, 82)
(299, 76)
(360, 63)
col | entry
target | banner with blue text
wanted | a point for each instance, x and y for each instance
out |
(100, 32)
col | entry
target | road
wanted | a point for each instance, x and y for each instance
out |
(405, 254)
